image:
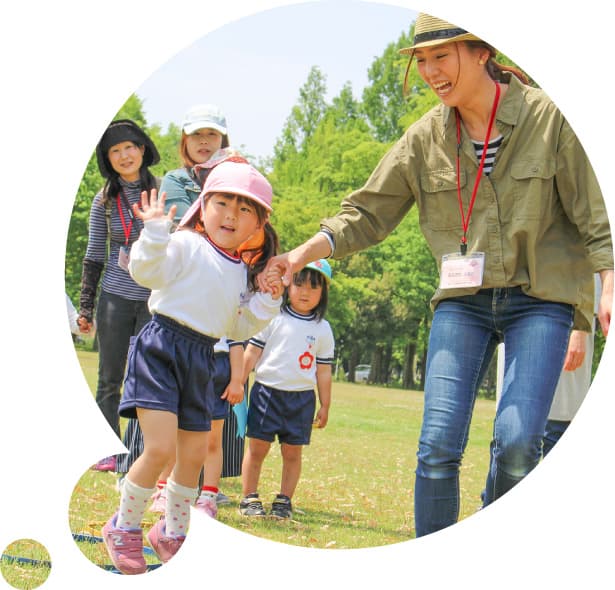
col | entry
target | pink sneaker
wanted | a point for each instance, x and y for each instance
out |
(159, 501)
(207, 503)
(125, 547)
(165, 547)
(106, 464)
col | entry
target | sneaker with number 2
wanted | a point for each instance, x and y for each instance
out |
(125, 547)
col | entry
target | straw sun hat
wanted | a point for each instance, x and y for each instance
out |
(429, 31)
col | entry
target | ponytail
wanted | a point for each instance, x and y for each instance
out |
(495, 69)
(256, 259)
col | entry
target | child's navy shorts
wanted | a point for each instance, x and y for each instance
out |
(286, 414)
(221, 380)
(170, 367)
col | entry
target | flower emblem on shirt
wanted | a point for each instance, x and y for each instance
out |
(306, 360)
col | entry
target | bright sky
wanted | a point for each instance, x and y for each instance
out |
(253, 68)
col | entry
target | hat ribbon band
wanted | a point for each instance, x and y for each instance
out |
(436, 35)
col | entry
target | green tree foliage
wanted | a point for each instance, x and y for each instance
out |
(383, 100)
(380, 297)
(379, 301)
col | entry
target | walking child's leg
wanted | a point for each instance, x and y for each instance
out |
(159, 435)
(122, 534)
(252, 464)
(213, 458)
(183, 483)
(291, 468)
(212, 470)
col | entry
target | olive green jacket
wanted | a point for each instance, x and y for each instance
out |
(538, 217)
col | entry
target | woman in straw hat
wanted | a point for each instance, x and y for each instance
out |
(511, 210)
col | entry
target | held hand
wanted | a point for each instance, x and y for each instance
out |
(233, 393)
(84, 325)
(293, 261)
(274, 282)
(153, 207)
(275, 267)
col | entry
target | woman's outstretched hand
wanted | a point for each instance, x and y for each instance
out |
(291, 262)
(277, 268)
(152, 207)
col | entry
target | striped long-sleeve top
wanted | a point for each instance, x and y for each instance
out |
(116, 280)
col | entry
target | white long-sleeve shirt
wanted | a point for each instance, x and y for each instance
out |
(197, 284)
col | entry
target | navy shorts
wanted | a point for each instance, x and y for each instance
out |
(286, 414)
(170, 367)
(221, 380)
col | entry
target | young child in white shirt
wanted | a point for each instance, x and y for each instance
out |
(202, 290)
(292, 357)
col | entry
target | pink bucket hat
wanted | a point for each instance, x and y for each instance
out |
(239, 179)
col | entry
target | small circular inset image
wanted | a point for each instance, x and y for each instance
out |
(25, 564)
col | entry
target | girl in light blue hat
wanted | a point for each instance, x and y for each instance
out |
(293, 356)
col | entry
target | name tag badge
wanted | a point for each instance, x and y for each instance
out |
(459, 271)
(123, 258)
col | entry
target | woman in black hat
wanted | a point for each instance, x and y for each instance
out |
(124, 154)
(512, 212)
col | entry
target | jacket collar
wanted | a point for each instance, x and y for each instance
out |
(508, 112)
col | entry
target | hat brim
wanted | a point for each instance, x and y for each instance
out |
(190, 128)
(128, 130)
(443, 41)
(316, 268)
(235, 191)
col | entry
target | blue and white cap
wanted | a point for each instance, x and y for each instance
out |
(323, 267)
(204, 116)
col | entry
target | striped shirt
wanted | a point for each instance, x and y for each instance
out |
(115, 279)
(492, 149)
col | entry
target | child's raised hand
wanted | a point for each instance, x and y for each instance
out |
(153, 207)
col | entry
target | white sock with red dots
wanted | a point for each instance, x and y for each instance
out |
(133, 502)
(179, 500)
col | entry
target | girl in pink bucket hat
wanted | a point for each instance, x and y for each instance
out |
(202, 290)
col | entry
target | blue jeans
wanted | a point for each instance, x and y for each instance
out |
(553, 432)
(464, 334)
(117, 319)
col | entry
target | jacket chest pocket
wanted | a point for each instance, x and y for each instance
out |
(438, 202)
(532, 187)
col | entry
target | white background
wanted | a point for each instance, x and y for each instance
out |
(66, 68)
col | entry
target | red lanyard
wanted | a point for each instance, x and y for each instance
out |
(127, 229)
(465, 221)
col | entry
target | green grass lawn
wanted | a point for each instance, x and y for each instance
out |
(25, 564)
(357, 479)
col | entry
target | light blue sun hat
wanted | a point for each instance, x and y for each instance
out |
(323, 267)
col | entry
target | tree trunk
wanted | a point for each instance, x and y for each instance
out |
(408, 380)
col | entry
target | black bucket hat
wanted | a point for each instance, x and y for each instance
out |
(117, 132)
